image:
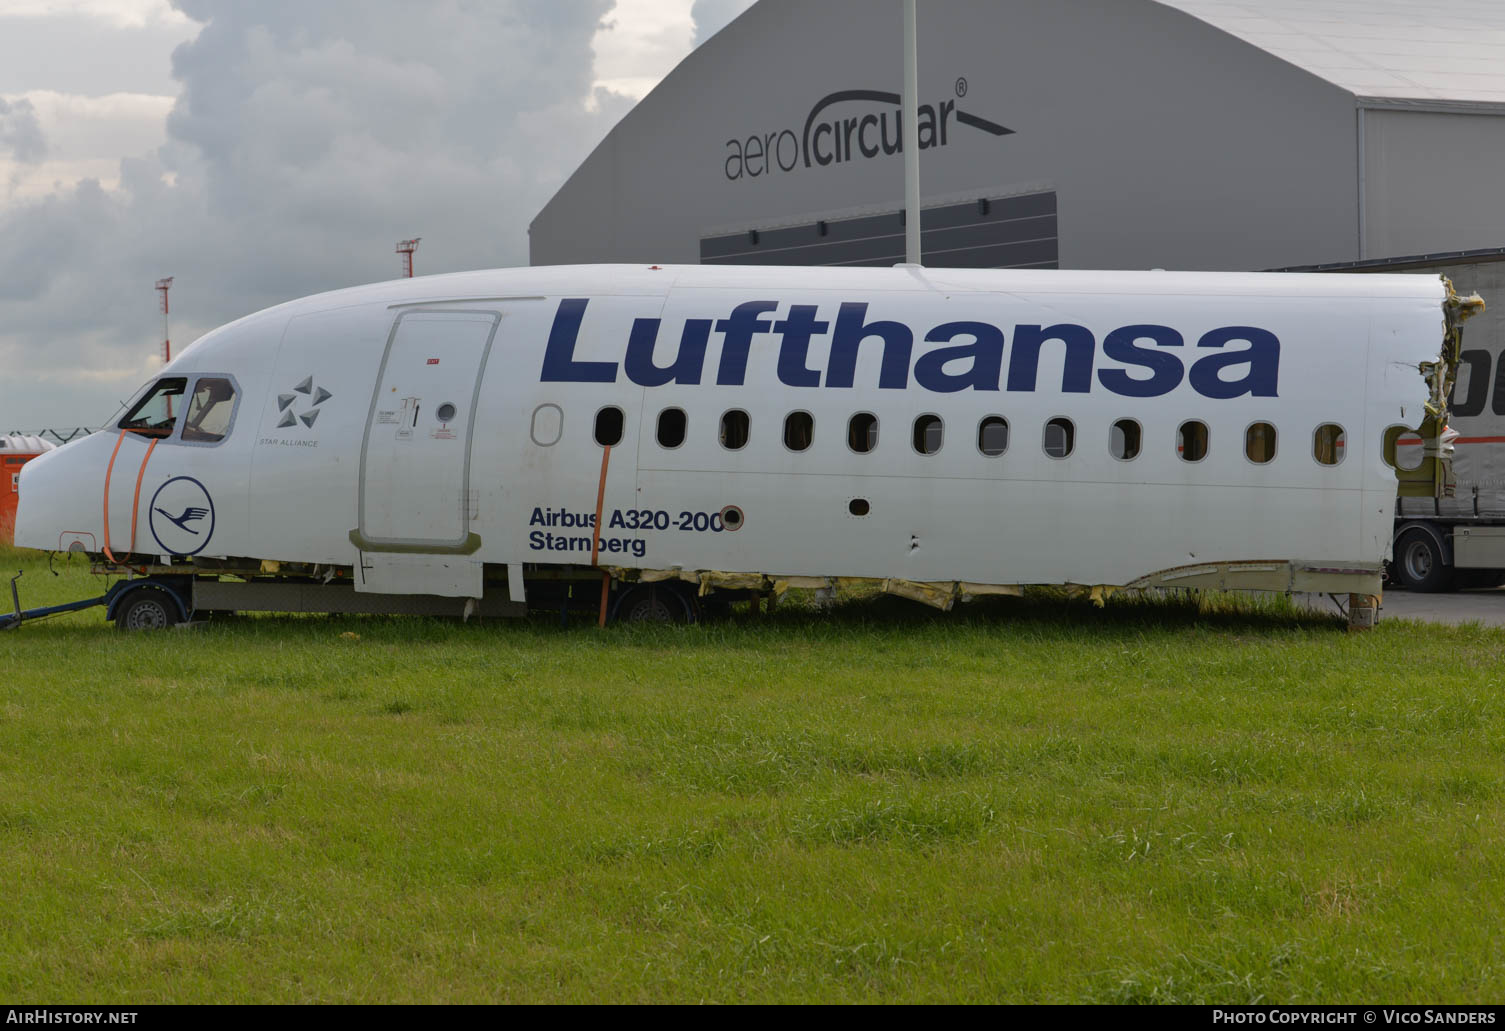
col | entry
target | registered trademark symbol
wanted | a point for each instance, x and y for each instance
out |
(961, 87)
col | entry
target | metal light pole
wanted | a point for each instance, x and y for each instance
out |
(911, 137)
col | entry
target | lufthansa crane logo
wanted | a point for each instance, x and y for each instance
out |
(182, 516)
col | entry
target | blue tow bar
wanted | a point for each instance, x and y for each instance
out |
(18, 617)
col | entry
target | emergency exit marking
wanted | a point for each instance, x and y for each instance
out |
(433, 361)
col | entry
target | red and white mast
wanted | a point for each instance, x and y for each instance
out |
(406, 249)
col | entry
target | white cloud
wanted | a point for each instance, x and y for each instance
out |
(81, 138)
(106, 126)
(84, 55)
(640, 42)
(23, 144)
(304, 140)
(711, 16)
(123, 13)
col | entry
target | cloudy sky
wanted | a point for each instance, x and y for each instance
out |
(262, 151)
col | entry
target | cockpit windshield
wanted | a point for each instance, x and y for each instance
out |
(209, 411)
(155, 415)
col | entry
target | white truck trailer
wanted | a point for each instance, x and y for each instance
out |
(1457, 540)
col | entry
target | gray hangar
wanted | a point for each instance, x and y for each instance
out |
(1184, 134)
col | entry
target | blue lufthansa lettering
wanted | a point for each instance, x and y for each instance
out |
(971, 360)
(559, 364)
(1076, 369)
(794, 353)
(985, 352)
(1122, 345)
(852, 328)
(1262, 356)
(687, 365)
(736, 342)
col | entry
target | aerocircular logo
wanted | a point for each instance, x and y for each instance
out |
(850, 125)
(304, 396)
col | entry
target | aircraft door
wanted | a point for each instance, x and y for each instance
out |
(415, 459)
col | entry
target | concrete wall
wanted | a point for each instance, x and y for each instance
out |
(1432, 182)
(1168, 142)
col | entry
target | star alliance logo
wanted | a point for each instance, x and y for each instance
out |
(288, 404)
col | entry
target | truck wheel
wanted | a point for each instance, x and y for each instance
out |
(1418, 564)
(655, 603)
(146, 609)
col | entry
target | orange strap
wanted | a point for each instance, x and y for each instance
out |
(136, 502)
(596, 534)
(600, 501)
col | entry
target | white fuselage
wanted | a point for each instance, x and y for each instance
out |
(452, 421)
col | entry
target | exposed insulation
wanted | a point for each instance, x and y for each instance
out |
(653, 576)
(971, 590)
(809, 583)
(1434, 476)
(937, 595)
(711, 579)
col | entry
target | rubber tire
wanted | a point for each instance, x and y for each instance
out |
(655, 603)
(1418, 564)
(147, 608)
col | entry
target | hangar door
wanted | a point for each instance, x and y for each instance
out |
(990, 232)
(415, 459)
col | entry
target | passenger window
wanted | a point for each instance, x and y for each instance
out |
(1060, 438)
(1259, 443)
(671, 427)
(1327, 444)
(1401, 448)
(209, 411)
(735, 426)
(609, 425)
(993, 436)
(862, 432)
(1191, 441)
(156, 414)
(1125, 439)
(799, 431)
(928, 433)
(548, 424)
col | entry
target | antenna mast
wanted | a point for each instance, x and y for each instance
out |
(911, 143)
(406, 249)
(163, 285)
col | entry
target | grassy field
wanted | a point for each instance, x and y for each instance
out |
(1020, 801)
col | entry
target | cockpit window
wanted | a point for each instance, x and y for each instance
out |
(209, 411)
(156, 414)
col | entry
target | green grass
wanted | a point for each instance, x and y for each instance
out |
(1023, 800)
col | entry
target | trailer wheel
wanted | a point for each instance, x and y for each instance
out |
(146, 609)
(655, 603)
(1419, 565)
